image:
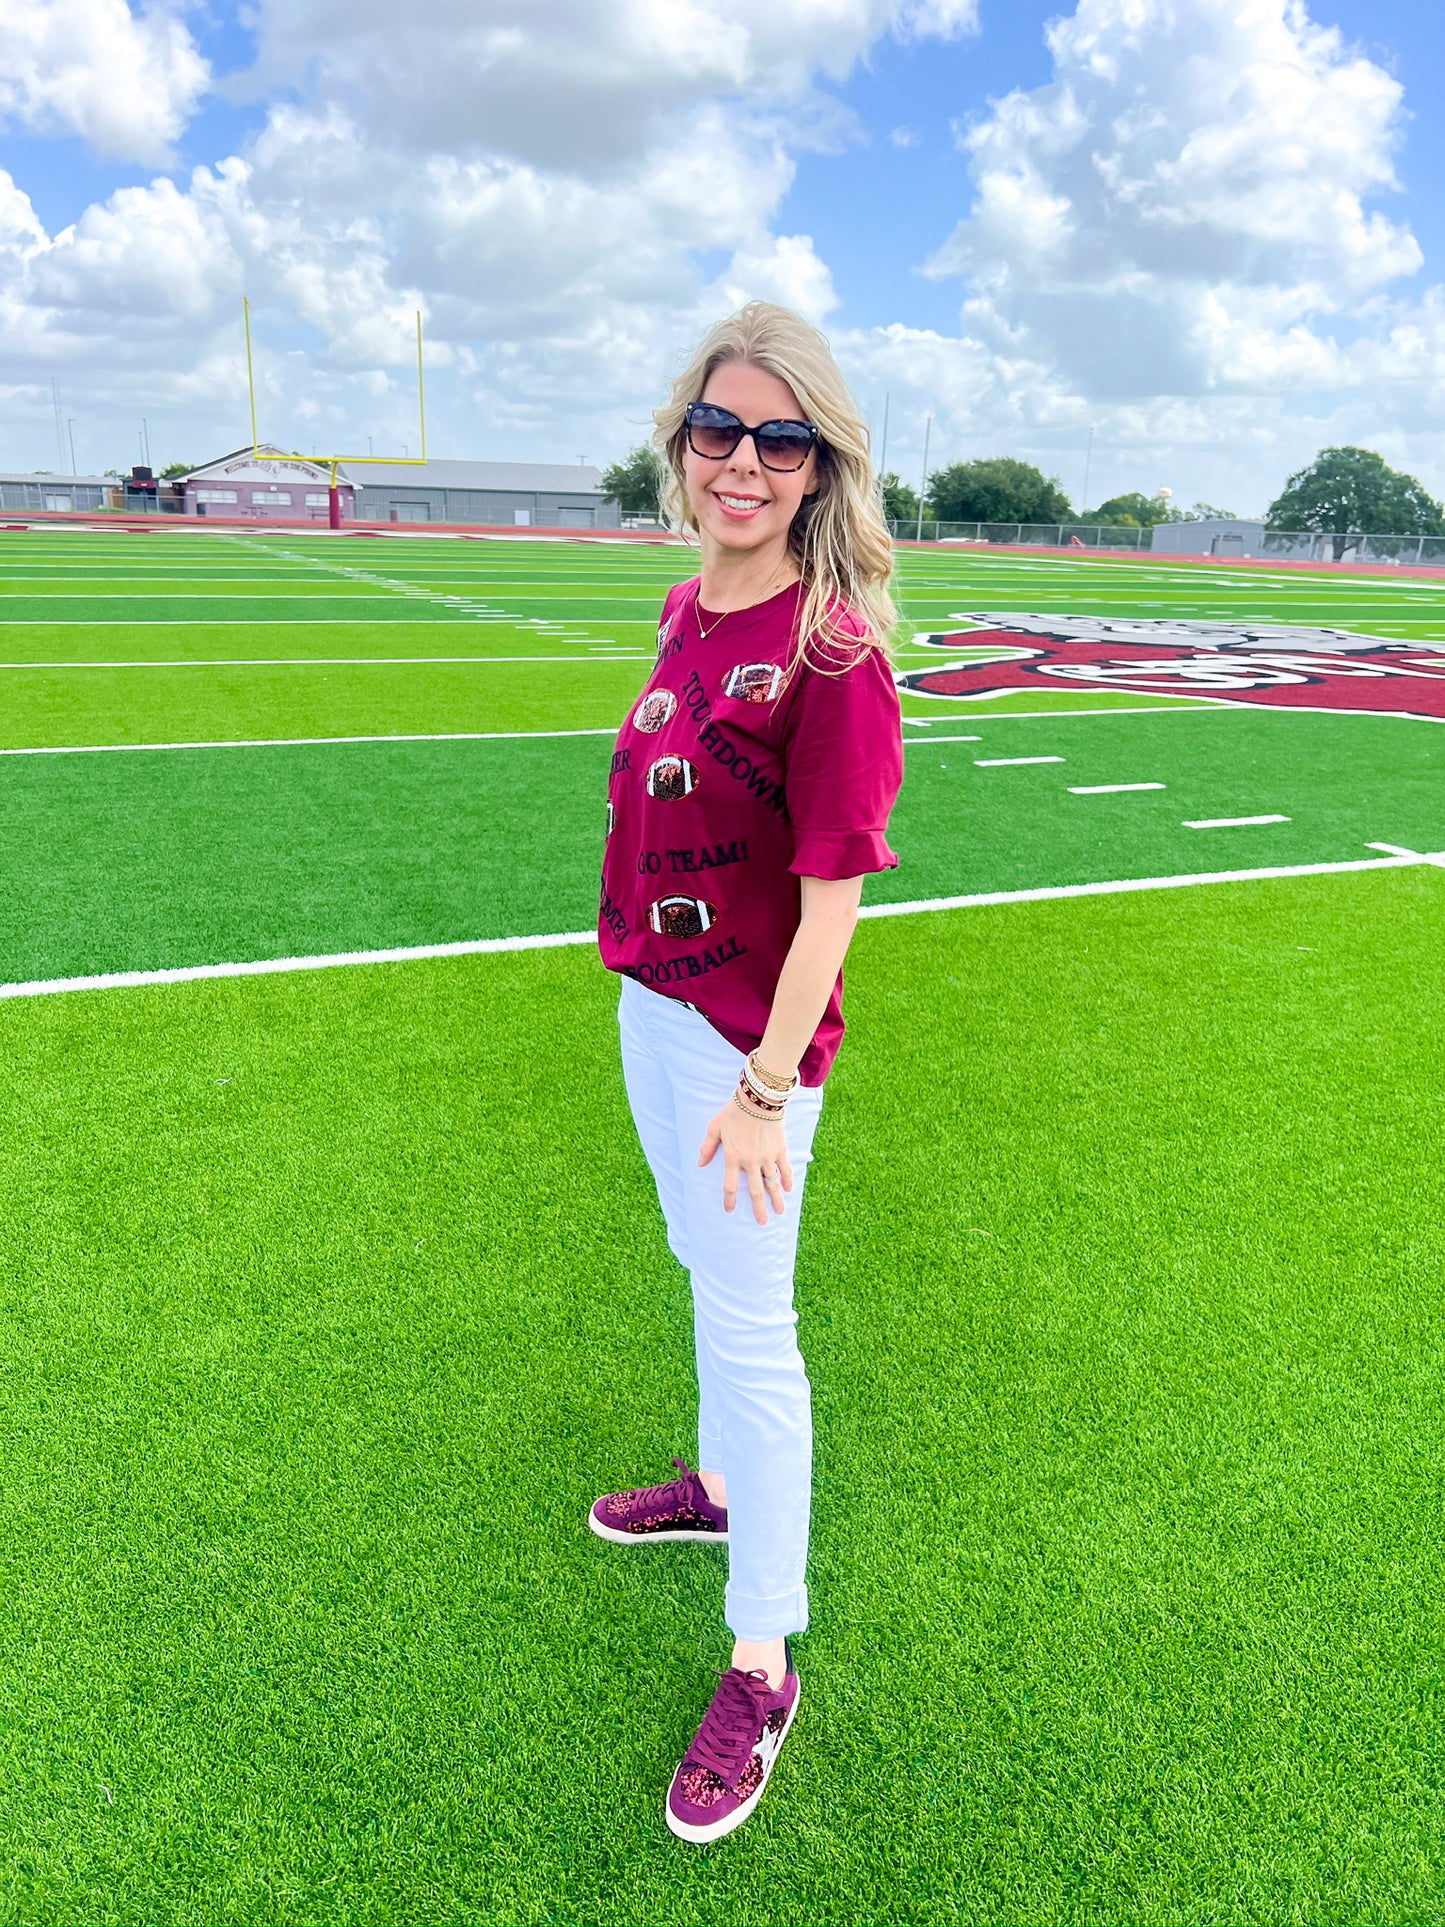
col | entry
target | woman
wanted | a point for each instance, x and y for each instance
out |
(749, 796)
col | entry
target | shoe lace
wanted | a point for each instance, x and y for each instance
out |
(649, 1497)
(733, 1722)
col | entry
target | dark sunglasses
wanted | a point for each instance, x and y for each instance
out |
(714, 433)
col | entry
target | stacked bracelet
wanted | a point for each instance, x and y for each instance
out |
(762, 1093)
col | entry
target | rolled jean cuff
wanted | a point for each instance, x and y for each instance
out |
(765, 1618)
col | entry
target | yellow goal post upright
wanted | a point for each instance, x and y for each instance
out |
(333, 495)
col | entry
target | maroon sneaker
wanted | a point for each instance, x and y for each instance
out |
(679, 1510)
(724, 1771)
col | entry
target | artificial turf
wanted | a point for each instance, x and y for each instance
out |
(1120, 1291)
(150, 861)
(331, 1300)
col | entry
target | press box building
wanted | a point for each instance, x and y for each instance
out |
(267, 483)
(1223, 535)
(539, 495)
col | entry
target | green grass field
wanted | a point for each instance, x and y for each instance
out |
(332, 1297)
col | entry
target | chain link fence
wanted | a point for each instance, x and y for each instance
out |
(1293, 544)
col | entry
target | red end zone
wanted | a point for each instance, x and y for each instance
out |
(1261, 664)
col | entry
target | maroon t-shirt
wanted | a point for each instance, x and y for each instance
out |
(730, 781)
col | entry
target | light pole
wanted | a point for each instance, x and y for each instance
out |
(70, 425)
(923, 479)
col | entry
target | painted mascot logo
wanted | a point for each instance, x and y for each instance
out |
(1276, 665)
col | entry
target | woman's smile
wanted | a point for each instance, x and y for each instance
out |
(740, 507)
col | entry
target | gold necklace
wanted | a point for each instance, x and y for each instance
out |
(703, 634)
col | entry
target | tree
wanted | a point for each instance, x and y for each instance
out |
(1132, 511)
(900, 502)
(1354, 490)
(633, 483)
(1201, 512)
(173, 469)
(996, 490)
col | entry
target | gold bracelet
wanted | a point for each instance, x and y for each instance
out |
(771, 1078)
(750, 1107)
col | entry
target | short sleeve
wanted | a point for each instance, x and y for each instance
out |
(844, 768)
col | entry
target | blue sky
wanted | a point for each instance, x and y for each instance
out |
(570, 214)
(877, 211)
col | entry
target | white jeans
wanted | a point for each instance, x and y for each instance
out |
(755, 1414)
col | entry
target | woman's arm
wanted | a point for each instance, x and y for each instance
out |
(751, 1146)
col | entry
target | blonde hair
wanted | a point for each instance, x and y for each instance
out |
(839, 538)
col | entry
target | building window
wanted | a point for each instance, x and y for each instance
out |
(318, 501)
(215, 494)
(273, 498)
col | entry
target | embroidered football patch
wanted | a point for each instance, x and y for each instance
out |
(657, 708)
(681, 916)
(754, 682)
(670, 778)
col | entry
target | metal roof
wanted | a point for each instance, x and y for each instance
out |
(66, 481)
(531, 478)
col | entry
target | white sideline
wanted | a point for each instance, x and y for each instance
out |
(307, 742)
(415, 953)
(984, 898)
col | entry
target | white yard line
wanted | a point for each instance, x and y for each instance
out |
(249, 622)
(300, 662)
(271, 966)
(1005, 762)
(1109, 789)
(1394, 849)
(926, 742)
(1183, 707)
(1231, 822)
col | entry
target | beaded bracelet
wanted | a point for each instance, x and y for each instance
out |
(752, 1107)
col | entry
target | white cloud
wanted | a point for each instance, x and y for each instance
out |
(787, 271)
(123, 81)
(1181, 204)
(569, 191)
(571, 82)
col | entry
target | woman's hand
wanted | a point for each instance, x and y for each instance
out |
(752, 1148)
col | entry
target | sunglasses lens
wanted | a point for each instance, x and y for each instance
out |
(712, 431)
(784, 445)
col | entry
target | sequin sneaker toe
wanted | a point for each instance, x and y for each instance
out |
(724, 1771)
(680, 1509)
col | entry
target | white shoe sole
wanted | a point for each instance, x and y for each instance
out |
(735, 1819)
(617, 1538)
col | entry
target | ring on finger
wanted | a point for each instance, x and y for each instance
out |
(775, 1176)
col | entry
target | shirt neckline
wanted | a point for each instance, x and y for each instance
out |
(701, 612)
